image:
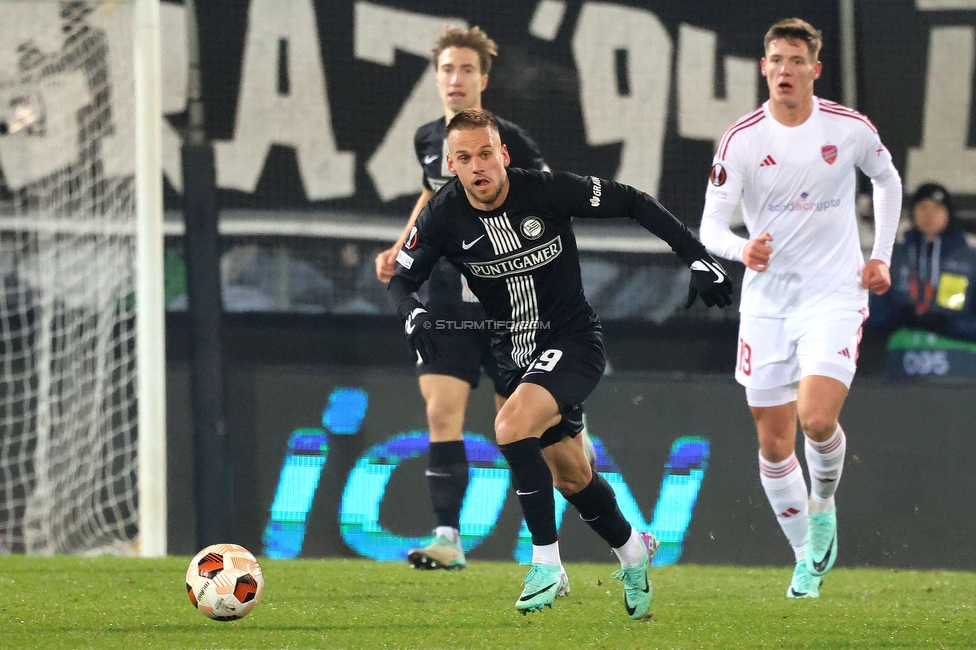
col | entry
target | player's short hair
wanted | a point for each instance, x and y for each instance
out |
(472, 118)
(796, 29)
(473, 39)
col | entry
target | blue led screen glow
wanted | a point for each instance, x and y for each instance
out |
(308, 449)
(345, 411)
(365, 488)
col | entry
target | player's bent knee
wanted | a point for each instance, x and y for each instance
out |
(440, 417)
(509, 429)
(818, 428)
(568, 486)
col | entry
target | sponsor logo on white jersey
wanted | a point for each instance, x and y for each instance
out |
(803, 205)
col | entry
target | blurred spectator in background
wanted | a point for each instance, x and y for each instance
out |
(933, 273)
(930, 310)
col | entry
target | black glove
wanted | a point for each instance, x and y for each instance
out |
(418, 327)
(934, 322)
(907, 317)
(710, 281)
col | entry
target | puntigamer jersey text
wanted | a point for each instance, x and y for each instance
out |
(521, 259)
(798, 184)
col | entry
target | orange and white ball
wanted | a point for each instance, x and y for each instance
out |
(224, 581)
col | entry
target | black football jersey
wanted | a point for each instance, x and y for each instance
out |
(521, 259)
(447, 293)
(430, 143)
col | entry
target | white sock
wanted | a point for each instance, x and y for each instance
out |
(632, 553)
(787, 493)
(452, 534)
(548, 554)
(825, 462)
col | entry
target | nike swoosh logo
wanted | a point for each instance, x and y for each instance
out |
(431, 158)
(700, 265)
(797, 594)
(631, 610)
(466, 245)
(440, 474)
(646, 589)
(525, 494)
(822, 564)
(531, 596)
(411, 323)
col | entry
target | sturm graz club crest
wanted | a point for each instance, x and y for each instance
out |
(532, 227)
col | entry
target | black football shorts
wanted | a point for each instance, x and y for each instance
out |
(463, 354)
(569, 368)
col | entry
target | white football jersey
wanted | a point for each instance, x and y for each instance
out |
(798, 184)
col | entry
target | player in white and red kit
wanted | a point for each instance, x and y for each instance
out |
(792, 164)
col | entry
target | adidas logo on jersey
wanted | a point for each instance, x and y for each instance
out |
(767, 162)
(845, 353)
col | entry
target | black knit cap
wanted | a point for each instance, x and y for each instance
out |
(937, 193)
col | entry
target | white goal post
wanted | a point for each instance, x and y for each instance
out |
(151, 319)
(82, 340)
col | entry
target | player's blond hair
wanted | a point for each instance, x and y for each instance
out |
(796, 29)
(472, 118)
(473, 39)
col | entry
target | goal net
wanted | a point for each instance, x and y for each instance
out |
(68, 253)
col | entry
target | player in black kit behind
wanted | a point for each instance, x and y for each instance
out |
(509, 232)
(462, 60)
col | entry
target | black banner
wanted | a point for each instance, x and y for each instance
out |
(315, 105)
(916, 73)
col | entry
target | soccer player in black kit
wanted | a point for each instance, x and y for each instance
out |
(462, 58)
(509, 232)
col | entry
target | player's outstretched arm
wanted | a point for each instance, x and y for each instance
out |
(709, 279)
(600, 198)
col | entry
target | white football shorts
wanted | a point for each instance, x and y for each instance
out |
(775, 353)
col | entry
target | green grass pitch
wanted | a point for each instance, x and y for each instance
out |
(71, 602)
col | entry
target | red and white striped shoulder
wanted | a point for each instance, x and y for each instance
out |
(742, 124)
(833, 108)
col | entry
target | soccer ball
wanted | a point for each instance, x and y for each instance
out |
(224, 581)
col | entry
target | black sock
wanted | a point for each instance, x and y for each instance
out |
(533, 485)
(597, 506)
(447, 481)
